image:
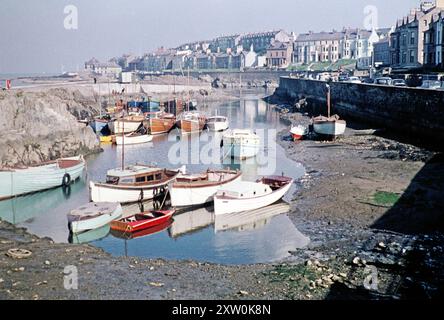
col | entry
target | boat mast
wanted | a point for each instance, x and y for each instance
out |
(188, 89)
(328, 100)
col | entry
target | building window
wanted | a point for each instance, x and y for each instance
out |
(412, 56)
(412, 38)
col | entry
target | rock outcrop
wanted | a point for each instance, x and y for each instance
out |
(41, 126)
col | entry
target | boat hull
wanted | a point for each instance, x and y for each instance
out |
(124, 194)
(217, 126)
(77, 226)
(193, 196)
(241, 151)
(297, 133)
(160, 126)
(329, 128)
(188, 126)
(127, 126)
(122, 226)
(223, 205)
(24, 181)
(128, 139)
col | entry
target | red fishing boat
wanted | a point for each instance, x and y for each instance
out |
(142, 233)
(142, 221)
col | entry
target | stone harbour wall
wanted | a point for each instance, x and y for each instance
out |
(412, 111)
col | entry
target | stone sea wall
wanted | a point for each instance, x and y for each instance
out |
(412, 111)
(41, 126)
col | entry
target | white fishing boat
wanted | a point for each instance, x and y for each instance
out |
(241, 144)
(244, 196)
(217, 123)
(126, 125)
(133, 138)
(132, 184)
(330, 126)
(19, 181)
(93, 215)
(199, 189)
(298, 132)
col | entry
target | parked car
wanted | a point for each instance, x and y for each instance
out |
(432, 84)
(367, 80)
(343, 76)
(399, 83)
(354, 80)
(384, 81)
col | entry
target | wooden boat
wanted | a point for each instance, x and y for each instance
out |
(132, 184)
(244, 196)
(189, 122)
(160, 122)
(199, 189)
(241, 144)
(19, 181)
(93, 215)
(143, 233)
(142, 221)
(217, 123)
(298, 132)
(133, 138)
(126, 125)
(330, 126)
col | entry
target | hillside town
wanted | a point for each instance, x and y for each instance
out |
(414, 43)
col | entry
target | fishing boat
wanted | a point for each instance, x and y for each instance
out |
(199, 189)
(244, 195)
(160, 122)
(298, 132)
(142, 221)
(241, 144)
(132, 184)
(143, 233)
(217, 123)
(17, 181)
(126, 125)
(93, 215)
(133, 138)
(330, 126)
(189, 122)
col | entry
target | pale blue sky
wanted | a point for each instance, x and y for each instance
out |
(33, 37)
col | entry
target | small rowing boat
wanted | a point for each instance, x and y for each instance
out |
(93, 215)
(298, 132)
(133, 138)
(142, 221)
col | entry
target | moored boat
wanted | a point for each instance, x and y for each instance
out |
(199, 189)
(329, 126)
(133, 138)
(298, 132)
(143, 233)
(244, 196)
(189, 122)
(132, 184)
(217, 123)
(142, 221)
(241, 144)
(126, 125)
(160, 122)
(19, 181)
(93, 215)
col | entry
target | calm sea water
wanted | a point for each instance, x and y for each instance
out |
(261, 236)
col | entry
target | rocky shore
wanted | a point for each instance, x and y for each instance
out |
(42, 126)
(370, 205)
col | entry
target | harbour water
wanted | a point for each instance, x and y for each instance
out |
(262, 236)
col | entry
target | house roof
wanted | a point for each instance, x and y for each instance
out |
(278, 46)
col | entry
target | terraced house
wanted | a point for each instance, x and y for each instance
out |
(434, 42)
(408, 46)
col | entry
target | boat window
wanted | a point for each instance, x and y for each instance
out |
(150, 178)
(140, 179)
(112, 180)
(159, 176)
(127, 180)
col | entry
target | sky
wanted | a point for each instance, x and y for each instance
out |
(43, 35)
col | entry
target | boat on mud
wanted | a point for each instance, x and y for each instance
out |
(199, 189)
(18, 181)
(298, 132)
(93, 216)
(141, 221)
(132, 184)
(244, 196)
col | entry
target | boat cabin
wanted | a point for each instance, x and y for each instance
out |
(244, 189)
(138, 175)
(217, 119)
